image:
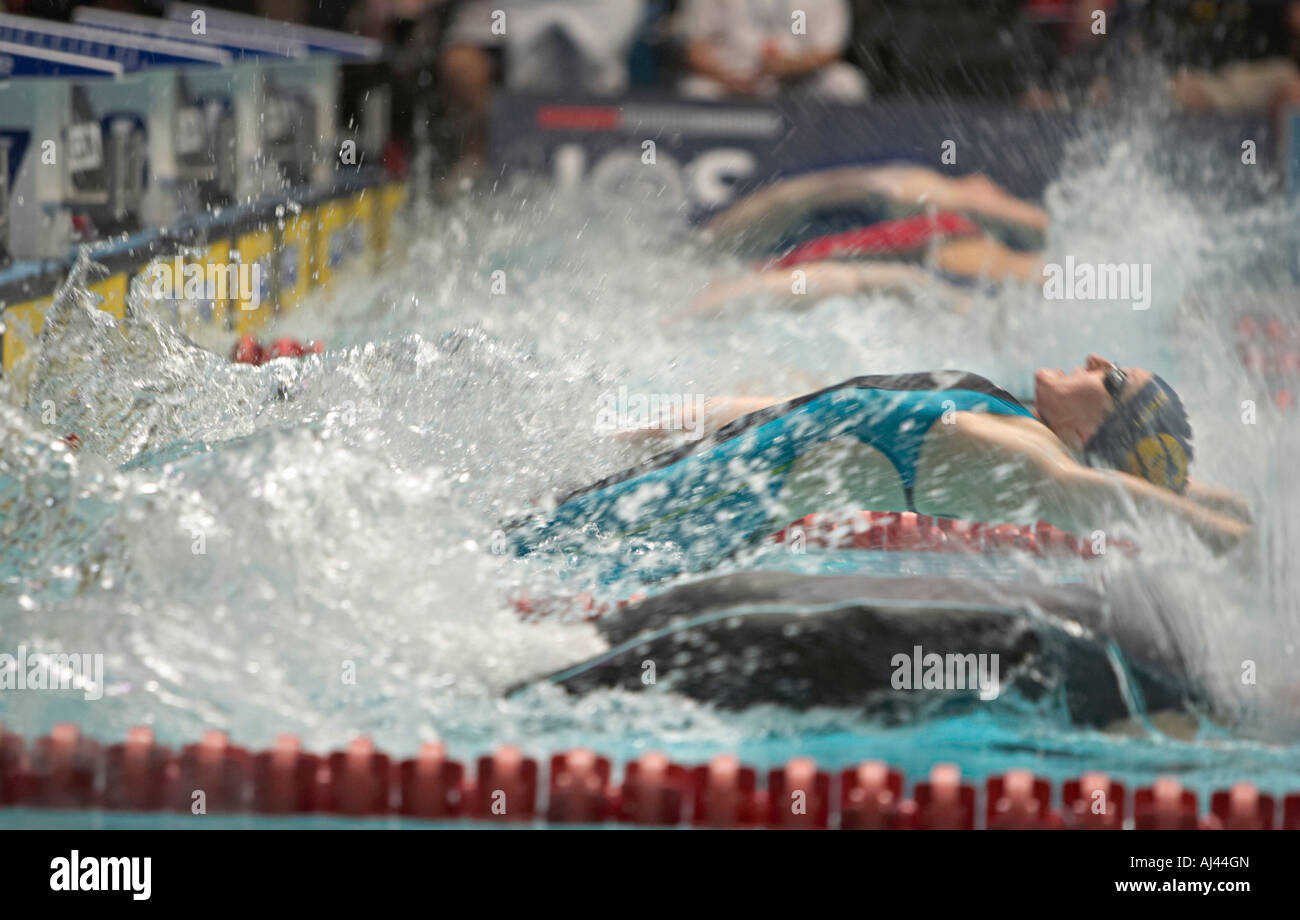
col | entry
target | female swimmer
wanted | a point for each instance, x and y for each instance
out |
(857, 229)
(765, 219)
(1106, 445)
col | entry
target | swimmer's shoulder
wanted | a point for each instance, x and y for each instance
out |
(1004, 434)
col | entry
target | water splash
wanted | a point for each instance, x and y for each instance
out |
(308, 545)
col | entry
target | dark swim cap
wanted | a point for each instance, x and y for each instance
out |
(1147, 435)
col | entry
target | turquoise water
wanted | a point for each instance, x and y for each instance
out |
(348, 504)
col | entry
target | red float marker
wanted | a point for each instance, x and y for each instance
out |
(1093, 802)
(945, 803)
(654, 792)
(213, 777)
(1291, 812)
(432, 786)
(506, 787)
(360, 780)
(799, 796)
(62, 770)
(1165, 806)
(138, 774)
(1018, 801)
(286, 780)
(578, 789)
(871, 798)
(13, 766)
(1243, 808)
(725, 794)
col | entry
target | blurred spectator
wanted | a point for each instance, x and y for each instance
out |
(953, 49)
(1069, 43)
(765, 47)
(1266, 84)
(411, 30)
(544, 46)
(1076, 21)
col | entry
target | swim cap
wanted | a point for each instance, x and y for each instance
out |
(248, 351)
(1147, 435)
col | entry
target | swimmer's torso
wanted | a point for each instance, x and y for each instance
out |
(857, 444)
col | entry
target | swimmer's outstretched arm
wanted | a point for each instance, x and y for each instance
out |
(1217, 498)
(1088, 491)
(773, 206)
(1081, 499)
(980, 257)
(830, 279)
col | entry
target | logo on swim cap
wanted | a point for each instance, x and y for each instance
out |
(1161, 460)
(1147, 435)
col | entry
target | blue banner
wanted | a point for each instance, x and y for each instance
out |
(708, 154)
(23, 61)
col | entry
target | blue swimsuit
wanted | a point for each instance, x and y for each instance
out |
(713, 496)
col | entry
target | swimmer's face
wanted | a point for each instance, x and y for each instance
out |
(1074, 405)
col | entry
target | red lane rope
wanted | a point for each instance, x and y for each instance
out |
(906, 531)
(1270, 349)
(881, 531)
(65, 770)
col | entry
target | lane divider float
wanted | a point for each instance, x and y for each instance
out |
(64, 770)
(877, 531)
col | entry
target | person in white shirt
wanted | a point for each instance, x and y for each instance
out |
(542, 46)
(766, 47)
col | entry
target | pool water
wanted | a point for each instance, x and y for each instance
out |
(310, 546)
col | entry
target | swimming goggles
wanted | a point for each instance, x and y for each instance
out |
(1115, 381)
